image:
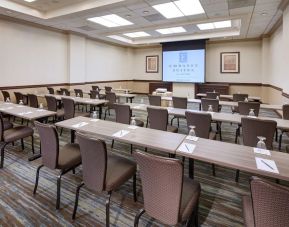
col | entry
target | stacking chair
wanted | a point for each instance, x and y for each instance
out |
(252, 128)
(205, 103)
(103, 172)
(78, 92)
(54, 158)
(32, 100)
(267, 206)
(95, 88)
(181, 103)
(10, 135)
(285, 109)
(94, 94)
(6, 95)
(19, 96)
(244, 109)
(238, 98)
(52, 106)
(173, 199)
(65, 90)
(158, 119)
(155, 100)
(111, 97)
(107, 89)
(50, 90)
(202, 123)
(212, 95)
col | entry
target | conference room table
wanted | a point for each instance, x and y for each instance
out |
(254, 98)
(229, 103)
(216, 116)
(220, 153)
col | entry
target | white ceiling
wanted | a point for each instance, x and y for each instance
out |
(251, 18)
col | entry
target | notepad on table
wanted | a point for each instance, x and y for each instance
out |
(79, 125)
(266, 165)
(192, 138)
(120, 133)
(94, 120)
(261, 151)
(25, 113)
(187, 148)
(40, 110)
(132, 127)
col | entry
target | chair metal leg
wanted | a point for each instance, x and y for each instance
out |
(237, 175)
(137, 217)
(276, 135)
(172, 120)
(37, 178)
(112, 143)
(22, 144)
(214, 170)
(178, 122)
(107, 204)
(58, 190)
(105, 112)
(191, 168)
(131, 148)
(147, 121)
(32, 144)
(280, 141)
(2, 155)
(76, 199)
(73, 171)
(237, 134)
(134, 188)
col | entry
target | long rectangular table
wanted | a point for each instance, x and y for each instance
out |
(255, 98)
(221, 153)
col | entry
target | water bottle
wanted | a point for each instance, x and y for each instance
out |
(77, 95)
(94, 115)
(251, 113)
(192, 131)
(261, 144)
(8, 99)
(217, 97)
(210, 109)
(246, 100)
(41, 105)
(63, 93)
(133, 121)
(21, 102)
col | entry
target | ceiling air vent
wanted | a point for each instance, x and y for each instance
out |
(154, 17)
(86, 28)
(234, 4)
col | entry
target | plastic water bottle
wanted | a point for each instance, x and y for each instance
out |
(246, 100)
(210, 109)
(21, 102)
(41, 105)
(192, 131)
(63, 93)
(94, 115)
(251, 113)
(261, 144)
(133, 121)
(8, 99)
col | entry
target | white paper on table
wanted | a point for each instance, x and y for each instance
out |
(132, 127)
(40, 110)
(79, 125)
(94, 120)
(120, 133)
(187, 148)
(192, 138)
(266, 165)
(262, 151)
(20, 106)
(25, 113)
(89, 101)
(251, 116)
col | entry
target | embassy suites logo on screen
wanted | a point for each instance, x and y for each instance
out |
(183, 66)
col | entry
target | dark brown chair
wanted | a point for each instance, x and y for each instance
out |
(64, 91)
(123, 115)
(107, 89)
(181, 103)
(203, 129)
(78, 92)
(252, 128)
(212, 95)
(111, 97)
(103, 172)
(94, 94)
(238, 98)
(65, 159)
(52, 106)
(267, 206)
(244, 109)
(158, 119)
(69, 109)
(50, 90)
(11, 135)
(168, 196)
(95, 88)
(285, 109)
(6, 96)
(155, 100)
(19, 96)
(32, 100)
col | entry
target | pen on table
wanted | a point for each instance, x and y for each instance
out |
(187, 147)
(267, 164)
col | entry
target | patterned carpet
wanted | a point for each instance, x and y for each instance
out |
(220, 203)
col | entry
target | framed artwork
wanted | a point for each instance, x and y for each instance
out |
(152, 64)
(230, 62)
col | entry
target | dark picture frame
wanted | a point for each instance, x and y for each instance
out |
(230, 62)
(152, 64)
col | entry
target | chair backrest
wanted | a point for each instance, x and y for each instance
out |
(49, 144)
(162, 180)
(69, 108)
(239, 97)
(50, 90)
(33, 101)
(18, 97)
(158, 118)
(95, 88)
(244, 107)
(270, 203)
(122, 113)
(107, 89)
(78, 92)
(67, 93)
(252, 128)
(286, 112)
(5, 95)
(202, 122)
(111, 97)
(206, 102)
(155, 100)
(94, 162)
(1, 127)
(213, 95)
(51, 103)
(180, 102)
(94, 94)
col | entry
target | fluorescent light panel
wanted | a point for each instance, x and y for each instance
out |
(180, 8)
(173, 30)
(214, 25)
(29, 0)
(119, 38)
(110, 21)
(137, 34)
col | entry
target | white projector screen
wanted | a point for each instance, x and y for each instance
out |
(184, 66)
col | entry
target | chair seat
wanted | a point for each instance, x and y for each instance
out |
(7, 125)
(17, 133)
(139, 123)
(212, 135)
(69, 156)
(190, 195)
(171, 128)
(248, 211)
(119, 170)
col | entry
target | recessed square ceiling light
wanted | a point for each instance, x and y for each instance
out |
(137, 34)
(213, 25)
(111, 20)
(119, 38)
(173, 30)
(29, 0)
(180, 8)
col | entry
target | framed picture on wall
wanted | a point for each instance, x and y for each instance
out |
(230, 62)
(152, 64)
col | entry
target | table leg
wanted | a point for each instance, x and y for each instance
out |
(100, 111)
(72, 132)
(191, 168)
(35, 156)
(131, 99)
(200, 107)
